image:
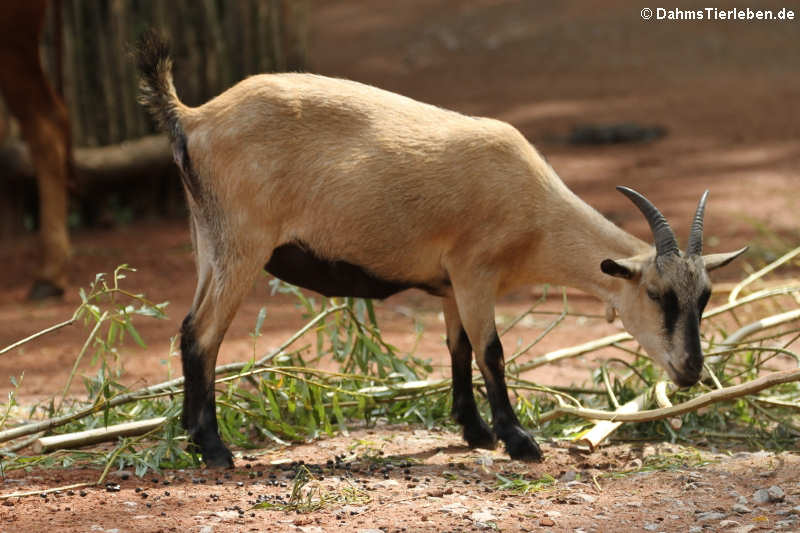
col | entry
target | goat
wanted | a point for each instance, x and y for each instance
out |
(45, 127)
(349, 190)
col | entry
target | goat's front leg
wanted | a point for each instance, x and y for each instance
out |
(476, 431)
(476, 308)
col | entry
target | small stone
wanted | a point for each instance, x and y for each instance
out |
(652, 527)
(580, 498)
(483, 519)
(728, 523)
(316, 529)
(454, 508)
(569, 475)
(761, 496)
(776, 494)
(648, 451)
(546, 522)
(695, 529)
(741, 509)
(227, 515)
(710, 516)
(770, 495)
(122, 474)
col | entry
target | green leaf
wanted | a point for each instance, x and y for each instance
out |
(135, 334)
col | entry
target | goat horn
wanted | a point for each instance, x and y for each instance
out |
(666, 244)
(695, 246)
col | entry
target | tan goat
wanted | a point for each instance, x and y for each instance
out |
(349, 190)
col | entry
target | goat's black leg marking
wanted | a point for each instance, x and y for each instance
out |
(476, 431)
(199, 409)
(519, 444)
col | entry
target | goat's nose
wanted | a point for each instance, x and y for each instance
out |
(687, 379)
(687, 376)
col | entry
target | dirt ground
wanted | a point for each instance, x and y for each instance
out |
(728, 95)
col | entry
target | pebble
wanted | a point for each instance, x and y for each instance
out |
(579, 498)
(652, 527)
(770, 495)
(454, 508)
(370, 531)
(569, 475)
(695, 529)
(483, 519)
(317, 529)
(728, 523)
(710, 516)
(227, 515)
(741, 509)
(776, 494)
(546, 522)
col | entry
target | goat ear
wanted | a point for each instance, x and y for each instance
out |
(621, 268)
(713, 261)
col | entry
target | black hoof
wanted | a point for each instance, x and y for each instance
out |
(521, 446)
(43, 289)
(218, 458)
(215, 453)
(479, 435)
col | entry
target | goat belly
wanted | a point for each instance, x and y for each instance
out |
(295, 263)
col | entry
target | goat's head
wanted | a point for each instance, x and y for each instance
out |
(664, 293)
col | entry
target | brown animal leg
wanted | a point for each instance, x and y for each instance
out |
(476, 431)
(222, 283)
(476, 307)
(45, 128)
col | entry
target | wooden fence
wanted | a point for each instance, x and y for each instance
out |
(215, 43)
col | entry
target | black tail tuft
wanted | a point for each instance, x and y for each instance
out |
(157, 94)
(157, 91)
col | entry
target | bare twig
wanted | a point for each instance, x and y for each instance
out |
(761, 273)
(166, 386)
(603, 428)
(718, 395)
(93, 436)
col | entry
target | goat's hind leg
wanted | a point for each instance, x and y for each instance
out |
(220, 290)
(476, 431)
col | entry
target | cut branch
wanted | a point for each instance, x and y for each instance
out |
(93, 436)
(718, 395)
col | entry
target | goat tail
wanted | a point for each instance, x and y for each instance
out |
(157, 92)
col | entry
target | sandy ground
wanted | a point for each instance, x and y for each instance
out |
(728, 95)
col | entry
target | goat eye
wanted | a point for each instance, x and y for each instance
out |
(701, 304)
(653, 295)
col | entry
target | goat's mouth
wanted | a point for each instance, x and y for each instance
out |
(683, 379)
